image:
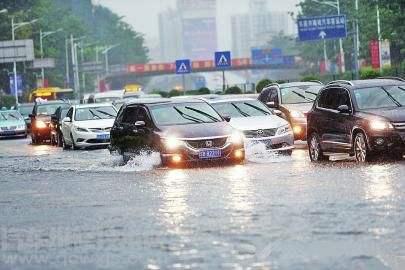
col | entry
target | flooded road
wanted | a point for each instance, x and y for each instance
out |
(84, 210)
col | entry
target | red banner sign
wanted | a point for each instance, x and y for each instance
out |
(375, 54)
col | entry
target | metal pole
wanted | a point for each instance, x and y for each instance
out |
(98, 74)
(341, 52)
(357, 42)
(67, 62)
(223, 81)
(325, 55)
(183, 77)
(42, 56)
(14, 64)
(82, 61)
(77, 71)
(72, 44)
(107, 71)
(379, 37)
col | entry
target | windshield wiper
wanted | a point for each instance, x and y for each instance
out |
(94, 115)
(304, 97)
(391, 97)
(240, 111)
(202, 113)
(15, 117)
(312, 93)
(106, 113)
(257, 108)
(187, 116)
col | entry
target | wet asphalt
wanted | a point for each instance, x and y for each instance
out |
(85, 210)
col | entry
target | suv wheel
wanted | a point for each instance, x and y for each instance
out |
(314, 148)
(361, 151)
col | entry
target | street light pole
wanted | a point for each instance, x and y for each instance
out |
(357, 42)
(43, 35)
(14, 27)
(379, 36)
(105, 52)
(341, 52)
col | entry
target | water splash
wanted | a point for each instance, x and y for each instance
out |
(257, 153)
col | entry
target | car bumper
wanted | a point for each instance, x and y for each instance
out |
(283, 142)
(13, 133)
(43, 133)
(387, 142)
(89, 139)
(186, 154)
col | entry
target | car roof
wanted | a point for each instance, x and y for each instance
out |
(52, 102)
(296, 84)
(157, 101)
(8, 111)
(369, 82)
(92, 105)
(231, 99)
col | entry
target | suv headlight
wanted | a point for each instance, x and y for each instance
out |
(283, 130)
(379, 125)
(79, 129)
(172, 143)
(236, 137)
(297, 114)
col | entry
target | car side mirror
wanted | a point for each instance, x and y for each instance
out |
(140, 123)
(344, 109)
(272, 104)
(227, 118)
(66, 120)
(53, 117)
(31, 115)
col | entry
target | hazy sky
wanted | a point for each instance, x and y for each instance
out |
(143, 14)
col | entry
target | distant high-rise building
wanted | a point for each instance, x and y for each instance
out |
(257, 27)
(190, 31)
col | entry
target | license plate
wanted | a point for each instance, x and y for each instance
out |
(210, 153)
(103, 136)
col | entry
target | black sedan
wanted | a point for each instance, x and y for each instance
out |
(182, 131)
(363, 118)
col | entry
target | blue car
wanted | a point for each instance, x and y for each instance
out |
(12, 124)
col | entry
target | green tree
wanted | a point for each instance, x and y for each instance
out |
(234, 90)
(262, 84)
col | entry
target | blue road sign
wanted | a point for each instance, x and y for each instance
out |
(325, 27)
(272, 56)
(19, 85)
(183, 66)
(223, 59)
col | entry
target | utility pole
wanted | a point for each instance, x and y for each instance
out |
(341, 52)
(43, 35)
(356, 41)
(379, 37)
(67, 62)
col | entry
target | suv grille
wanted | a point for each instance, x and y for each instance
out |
(208, 143)
(400, 126)
(260, 133)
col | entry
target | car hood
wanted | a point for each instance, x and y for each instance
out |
(11, 123)
(257, 122)
(301, 107)
(392, 114)
(102, 123)
(197, 130)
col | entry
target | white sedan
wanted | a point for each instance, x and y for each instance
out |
(257, 122)
(88, 125)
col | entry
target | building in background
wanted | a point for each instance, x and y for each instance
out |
(256, 28)
(190, 31)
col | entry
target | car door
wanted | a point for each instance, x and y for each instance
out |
(66, 126)
(144, 132)
(125, 133)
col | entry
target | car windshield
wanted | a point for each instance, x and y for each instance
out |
(380, 97)
(25, 110)
(246, 108)
(48, 109)
(95, 113)
(299, 94)
(184, 114)
(63, 113)
(10, 116)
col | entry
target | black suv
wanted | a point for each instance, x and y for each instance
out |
(363, 118)
(181, 130)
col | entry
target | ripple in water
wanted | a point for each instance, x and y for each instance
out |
(257, 153)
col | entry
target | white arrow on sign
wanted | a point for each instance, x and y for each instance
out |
(183, 68)
(223, 61)
(322, 34)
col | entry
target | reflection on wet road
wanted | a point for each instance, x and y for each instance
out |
(83, 209)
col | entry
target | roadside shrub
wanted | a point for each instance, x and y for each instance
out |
(310, 78)
(175, 93)
(262, 84)
(204, 91)
(7, 101)
(234, 90)
(369, 73)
